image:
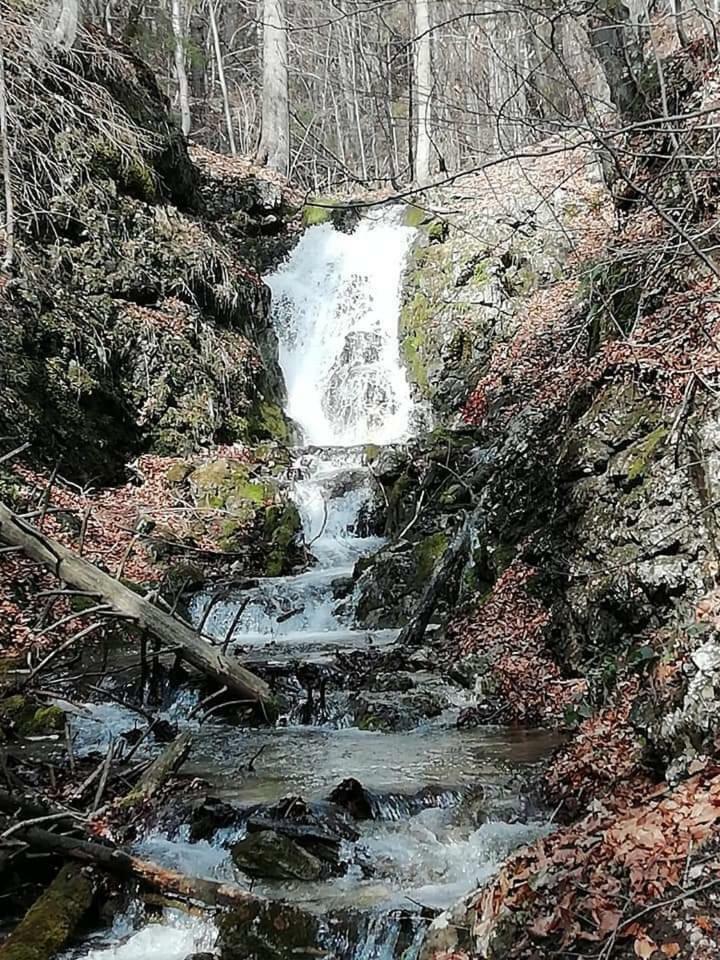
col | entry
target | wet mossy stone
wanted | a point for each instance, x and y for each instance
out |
(283, 533)
(267, 421)
(225, 485)
(269, 930)
(272, 856)
(26, 719)
(427, 555)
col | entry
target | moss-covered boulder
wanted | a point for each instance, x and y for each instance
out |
(23, 717)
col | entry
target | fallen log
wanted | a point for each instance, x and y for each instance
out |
(128, 867)
(170, 760)
(414, 631)
(53, 918)
(85, 576)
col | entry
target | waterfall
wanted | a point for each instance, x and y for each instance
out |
(336, 306)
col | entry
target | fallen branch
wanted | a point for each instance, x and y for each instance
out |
(170, 760)
(127, 867)
(83, 575)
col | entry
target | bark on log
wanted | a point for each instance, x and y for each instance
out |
(170, 760)
(414, 631)
(128, 867)
(52, 919)
(83, 575)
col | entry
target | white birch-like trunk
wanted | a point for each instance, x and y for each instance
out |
(274, 149)
(178, 27)
(221, 78)
(423, 84)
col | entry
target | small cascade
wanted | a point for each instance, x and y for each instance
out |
(442, 809)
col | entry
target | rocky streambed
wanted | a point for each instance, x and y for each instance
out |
(366, 809)
(370, 804)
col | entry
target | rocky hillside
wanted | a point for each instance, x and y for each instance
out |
(567, 341)
(131, 321)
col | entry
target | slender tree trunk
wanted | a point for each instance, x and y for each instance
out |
(178, 26)
(7, 184)
(67, 24)
(274, 147)
(221, 78)
(423, 83)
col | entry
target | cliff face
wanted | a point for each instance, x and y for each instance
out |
(129, 324)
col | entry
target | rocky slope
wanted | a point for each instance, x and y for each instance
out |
(129, 323)
(557, 320)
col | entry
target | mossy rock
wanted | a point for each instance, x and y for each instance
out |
(178, 473)
(415, 216)
(225, 485)
(27, 719)
(427, 554)
(267, 421)
(642, 454)
(438, 231)
(316, 213)
(283, 533)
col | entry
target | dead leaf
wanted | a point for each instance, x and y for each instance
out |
(670, 949)
(644, 947)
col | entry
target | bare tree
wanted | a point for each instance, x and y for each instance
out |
(423, 84)
(5, 145)
(221, 77)
(274, 149)
(178, 26)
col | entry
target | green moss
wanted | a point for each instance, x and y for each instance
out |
(644, 453)
(316, 213)
(224, 485)
(481, 273)
(437, 231)
(414, 216)
(427, 554)
(414, 322)
(50, 922)
(29, 720)
(267, 421)
(283, 528)
(371, 452)
(178, 473)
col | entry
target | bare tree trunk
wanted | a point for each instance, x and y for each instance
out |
(67, 24)
(221, 78)
(616, 47)
(5, 146)
(274, 149)
(423, 83)
(178, 27)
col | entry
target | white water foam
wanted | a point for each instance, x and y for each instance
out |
(336, 307)
(174, 936)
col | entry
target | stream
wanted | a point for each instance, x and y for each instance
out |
(444, 804)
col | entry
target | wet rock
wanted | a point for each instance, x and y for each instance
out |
(210, 816)
(272, 856)
(269, 931)
(403, 710)
(387, 680)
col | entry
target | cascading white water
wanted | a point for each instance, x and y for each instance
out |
(336, 305)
